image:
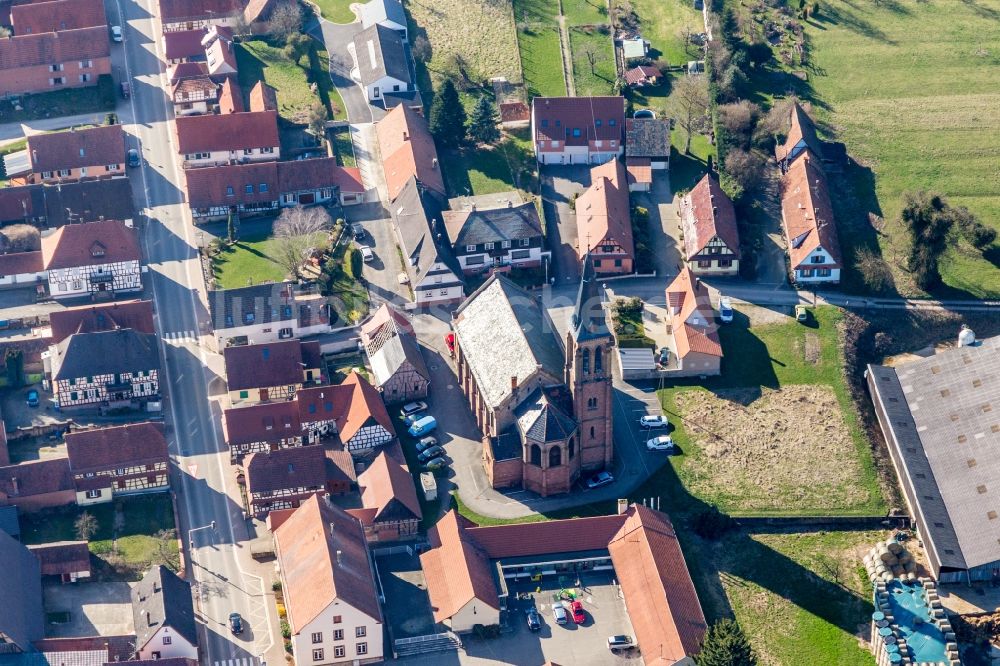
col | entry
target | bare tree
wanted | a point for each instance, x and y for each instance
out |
(739, 119)
(166, 549)
(85, 526)
(875, 272)
(20, 238)
(317, 120)
(241, 26)
(421, 49)
(688, 105)
(296, 232)
(685, 34)
(592, 52)
(286, 19)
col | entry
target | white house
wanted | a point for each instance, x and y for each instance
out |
(93, 257)
(230, 138)
(266, 313)
(809, 225)
(383, 66)
(163, 612)
(352, 410)
(328, 581)
(578, 130)
(434, 274)
(21, 268)
(387, 13)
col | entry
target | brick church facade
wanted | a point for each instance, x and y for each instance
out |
(542, 400)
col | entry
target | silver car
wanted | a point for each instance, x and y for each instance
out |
(559, 613)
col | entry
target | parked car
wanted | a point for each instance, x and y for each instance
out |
(725, 310)
(358, 231)
(652, 422)
(431, 453)
(579, 617)
(426, 443)
(436, 463)
(116, 33)
(534, 620)
(367, 254)
(559, 613)
(661, 443)
(33, 398)
(663, 357)
(801, 313)
(600, 479)
(413, 408)
(126, 89)
(235, 623)
(449, 342)
(423, 426)
(413, 418)
(132, 157)
(619, 643)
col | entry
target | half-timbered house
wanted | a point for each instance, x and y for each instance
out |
(711, 235)
(127, 459)
(93, 258)
(359, 417)
(398, 368)
(105, 369)
(271, 371)
(282, 479)
(268, 426)
(603, 220)
(390, 508)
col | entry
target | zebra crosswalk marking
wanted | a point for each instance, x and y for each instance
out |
(180, 336)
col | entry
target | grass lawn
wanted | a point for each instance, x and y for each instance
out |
(348, 296)
(137, 547)
(482, 31)
(258, 59)
(911, 90)
(585, 12)
(602, 80)
(339, 367)
(687, 170)
(336, 11)
(247, 262)
(343, 147)
(67, 102)
(662, 22)
(506, 166)
(541, 58)
(536, 11)
(806, 362)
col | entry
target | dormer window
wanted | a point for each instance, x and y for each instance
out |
(97, 250)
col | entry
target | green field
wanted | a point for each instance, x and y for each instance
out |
(136, 547)
(68, 102)
(541, 59)
(490, 170)
(602, 79)
(911, 89)
(336, 11)
(687, 170)
(343, 147)
(535, 11)
(662, 22)
(585, 12)
(248, 261)
(259, 60)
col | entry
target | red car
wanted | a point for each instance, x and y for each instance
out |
(449, 340)
(576, 608)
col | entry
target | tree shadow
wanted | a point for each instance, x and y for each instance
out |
(852, 21)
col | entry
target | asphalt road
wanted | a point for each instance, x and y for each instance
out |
(218, 564)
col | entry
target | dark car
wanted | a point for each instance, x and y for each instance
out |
(429, 453)
(235, 623)
(534, 620)
(126, 89)
(32, 398)
(133, 157)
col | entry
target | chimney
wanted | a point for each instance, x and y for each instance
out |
(332, 526)
(622, 505)
(434, 163)
(149, 619)
(473, 209)
(406, 135)
(14, 484)
(510, 203)
(513, 383)
(340, 557)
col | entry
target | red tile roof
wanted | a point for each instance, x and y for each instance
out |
(39, 477)
(365, 406)
(18, 202)
(707, 212)
(185, 70)
(179, 10)
(230, 97)
(456, 570)
(640, 74)
(183, 44)
(512, 112)
(52, 47)
(266, 422)
(38, 17)
(807, 213)
(285, 469)
(602, 211)
(267, 364)
(72, 149)
(137, 315)
(90, 244)
(556, 118)
(547, 538)
(339, 464)
(407, 149)
(62, 557)
(387, 312)
(232, 131)
(21, 263)
(802, 129)
(316, 173)
(693, 318)
(206, 186)
(640, 169)
(263, 97)
(387, 487)
(656, 585)
(324, 559)
(118, 446)
(348, 179)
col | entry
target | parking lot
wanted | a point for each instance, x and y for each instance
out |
(95, 609)
(407, 608)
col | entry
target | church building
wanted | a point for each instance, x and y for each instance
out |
(542, 402)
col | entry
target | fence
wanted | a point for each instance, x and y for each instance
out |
(824, 522)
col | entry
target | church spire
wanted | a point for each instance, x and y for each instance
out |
(588, 316)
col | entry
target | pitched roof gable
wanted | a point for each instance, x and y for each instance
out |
(125, 445)
(602, 211)
(266, 364)
(135, 314)
(707, 212)
(493, 225)
(46, 48)
(807, 212)
(57, 15)
(75, 148)
(90, 244)
(231, 131)
(690, 309)
(408, 150)
(167, 602)
(578, 120)
(386, 485)
(284, 469)
(802, 130)
(457, 570)
(264, 422)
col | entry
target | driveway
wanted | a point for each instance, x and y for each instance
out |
(382, 273)
(664, 225)
(337, 37)
(95, 609)
(559, 184)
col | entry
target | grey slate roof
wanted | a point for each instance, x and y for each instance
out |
(946, 420)
(22, 617)
(414, 214)
(502, 333)
(380, 53)
(258, 304)
(377, 11)
(61, 658)
(168, 601)
(647, 137)
(473, 227)
(589, 321)
(106, 352)
(396, 351)
(540, 420)
(9, 522)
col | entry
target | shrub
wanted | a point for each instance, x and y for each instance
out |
(276, 586)
(353, 262)
(712, 524)
(286, 630)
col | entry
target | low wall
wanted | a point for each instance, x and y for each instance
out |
(824, 522)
